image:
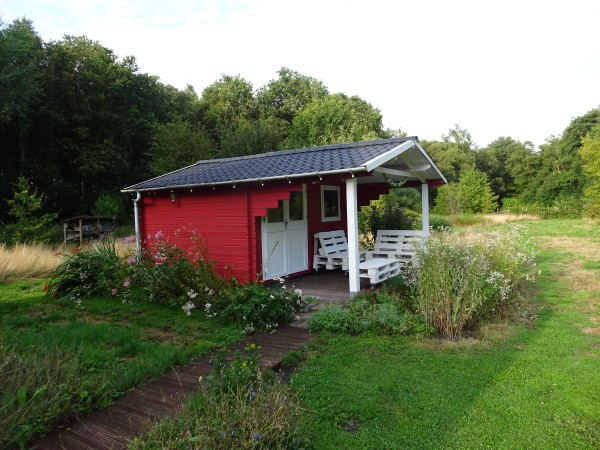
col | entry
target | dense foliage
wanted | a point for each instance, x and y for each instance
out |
(79, 122)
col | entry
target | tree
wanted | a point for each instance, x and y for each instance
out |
(176, 145)
(335, 119)
(454, 154)
(26, 208)
(590, 154)
(21, 71)
(499, 160)
(560, 179)
(225, 103)
(288, 95)
(251, 137)
(472, 194)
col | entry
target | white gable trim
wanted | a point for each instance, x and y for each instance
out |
(389, 155)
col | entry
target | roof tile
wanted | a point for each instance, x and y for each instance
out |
(286, 163)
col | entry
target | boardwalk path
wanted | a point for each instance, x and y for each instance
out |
(115, 426)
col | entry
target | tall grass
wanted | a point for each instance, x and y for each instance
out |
(460, 278)
(34, 260)
(38, 386)
(27, 261)
(490, 219)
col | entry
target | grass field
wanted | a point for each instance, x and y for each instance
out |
(533, 382)
(529, 382)
(58, 361)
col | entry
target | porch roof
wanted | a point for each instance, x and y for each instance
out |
(397, 159)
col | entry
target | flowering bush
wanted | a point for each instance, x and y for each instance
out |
(168, 274)
(458, 279)
(258, 307)
(88, 271)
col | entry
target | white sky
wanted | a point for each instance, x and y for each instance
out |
(519, 68)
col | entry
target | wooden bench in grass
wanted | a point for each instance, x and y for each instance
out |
(331, 251)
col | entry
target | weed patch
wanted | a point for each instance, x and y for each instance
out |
(238, 407)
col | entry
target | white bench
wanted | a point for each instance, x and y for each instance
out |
(331, 251)
(392, 248)
(399, 244)
(379, 269)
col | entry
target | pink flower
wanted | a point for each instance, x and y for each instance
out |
(114, 292)
(159, 235)
(131, 260)
(127, 282)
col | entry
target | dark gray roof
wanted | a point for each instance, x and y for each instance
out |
(274, 165)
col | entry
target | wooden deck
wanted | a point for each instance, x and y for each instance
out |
(131, 415)
(327, 284)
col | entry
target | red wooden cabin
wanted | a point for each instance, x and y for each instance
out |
(258, 213)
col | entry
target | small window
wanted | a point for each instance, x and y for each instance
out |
(330, 203)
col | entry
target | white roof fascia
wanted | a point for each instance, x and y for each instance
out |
(432, 163)
(389, 155)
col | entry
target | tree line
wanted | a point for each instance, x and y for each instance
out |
(79, 123)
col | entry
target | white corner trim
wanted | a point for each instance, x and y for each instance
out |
(391, 154)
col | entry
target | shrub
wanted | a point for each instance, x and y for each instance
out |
(385, 214)
(331, 319)
(468, 219)
(109, 204)
(255, 306)
(439, 223)
(381, 312)
(88, 271)
(167, 274)
(238, 407)
(461, 278)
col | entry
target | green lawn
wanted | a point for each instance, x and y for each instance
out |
(58, 360)
(528, 383)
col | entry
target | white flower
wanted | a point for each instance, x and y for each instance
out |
(298, 292)
(207, 306)
(192, 294)
(188, 308)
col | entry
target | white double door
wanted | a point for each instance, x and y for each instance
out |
(285, 237)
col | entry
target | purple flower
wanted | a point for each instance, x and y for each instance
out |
(159, 235)
(252, 395)
(131, 260)
(114, 292)
(257, 436)
(222, 434)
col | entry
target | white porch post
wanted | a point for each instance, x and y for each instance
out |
(425, 206)
(352, 215)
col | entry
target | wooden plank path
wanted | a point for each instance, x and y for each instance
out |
(130, 416)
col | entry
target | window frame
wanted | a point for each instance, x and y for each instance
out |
(336, 189)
